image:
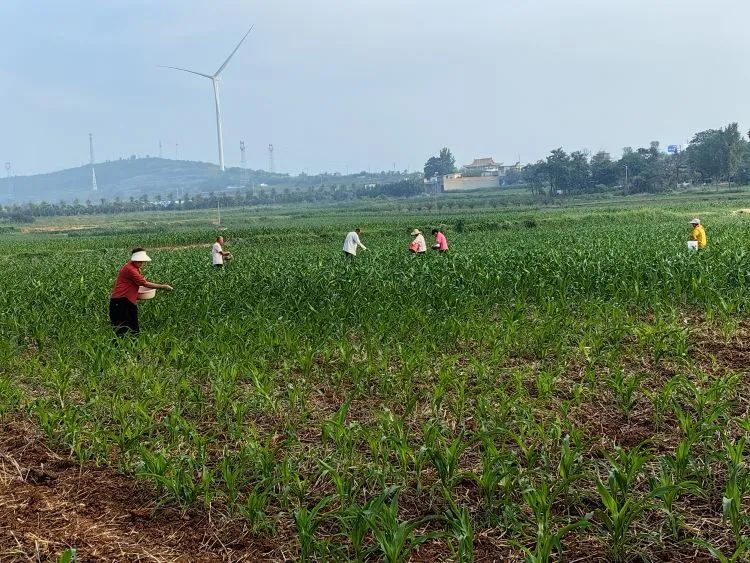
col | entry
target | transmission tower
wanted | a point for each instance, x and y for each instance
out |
(161, 154)
(271, 166)
(11, 195)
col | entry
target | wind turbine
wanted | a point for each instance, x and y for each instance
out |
(214, 78)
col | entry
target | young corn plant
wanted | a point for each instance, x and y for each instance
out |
(355, 523)
(307, 522)
(395, 538)
(621, 504)
(740, 553)
(624, 388)
(459, 522)
(736, 487)
(445, 457)
(539, 498)
(253, 509)
(665, 488)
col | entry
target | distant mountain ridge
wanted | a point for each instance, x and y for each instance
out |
(131, 178)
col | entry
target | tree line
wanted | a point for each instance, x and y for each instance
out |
(711, 157)
(237, 198)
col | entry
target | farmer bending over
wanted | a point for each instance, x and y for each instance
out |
(123, 313)
(441, 243)
(418, 245)
(351, 243)
(698, 233)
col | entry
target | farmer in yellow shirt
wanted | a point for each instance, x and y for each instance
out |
(698, 234)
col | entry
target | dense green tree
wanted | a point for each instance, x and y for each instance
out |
(558, 171)
(579, 175)
(440, 165)
(717, 154)
(604, 172)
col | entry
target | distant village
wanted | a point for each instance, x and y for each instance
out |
(481, 173)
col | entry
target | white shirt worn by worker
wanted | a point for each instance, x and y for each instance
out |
(216, 256)
(351, 242)
(421, 244)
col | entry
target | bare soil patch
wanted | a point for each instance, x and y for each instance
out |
(48, 504)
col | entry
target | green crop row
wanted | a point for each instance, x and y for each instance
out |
(558, 383)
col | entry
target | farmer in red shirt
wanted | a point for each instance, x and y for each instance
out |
(123, 313)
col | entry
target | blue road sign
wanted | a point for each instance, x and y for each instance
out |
(674, 149)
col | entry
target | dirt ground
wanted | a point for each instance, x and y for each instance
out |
(48, 504)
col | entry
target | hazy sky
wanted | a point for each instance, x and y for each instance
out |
(358, 84)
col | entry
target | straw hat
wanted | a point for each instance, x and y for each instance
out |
(140, 256)
(416, 232)
(695, 221)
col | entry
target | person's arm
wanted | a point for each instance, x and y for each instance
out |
(140, 280)
(359, 243)
(152, 285)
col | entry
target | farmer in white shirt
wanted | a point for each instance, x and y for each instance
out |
(351, 242)
(218, 254)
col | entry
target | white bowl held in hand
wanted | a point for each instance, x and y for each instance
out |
(146, 293)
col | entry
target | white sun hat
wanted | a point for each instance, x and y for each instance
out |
(416, 232)
(140, 256)
(695, 221)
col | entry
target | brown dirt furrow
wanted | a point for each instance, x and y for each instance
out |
(48, 504)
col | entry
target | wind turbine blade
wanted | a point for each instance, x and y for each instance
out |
(186, 70)
(233, 52)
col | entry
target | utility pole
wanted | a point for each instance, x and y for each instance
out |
(626, 178)
(271, 165)
(161, 154)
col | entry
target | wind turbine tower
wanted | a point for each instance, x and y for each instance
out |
(214, 78)
(243, 163)
(93, 172)
(271, 165)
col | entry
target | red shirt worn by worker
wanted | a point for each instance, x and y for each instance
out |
(129, 279)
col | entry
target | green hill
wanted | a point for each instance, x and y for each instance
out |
(132, 177)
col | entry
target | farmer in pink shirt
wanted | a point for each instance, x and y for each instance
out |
(441, 244)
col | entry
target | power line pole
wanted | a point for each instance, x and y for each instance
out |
(271, 165)
(161, 154)
(11, 195)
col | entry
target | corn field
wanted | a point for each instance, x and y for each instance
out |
(561, 385)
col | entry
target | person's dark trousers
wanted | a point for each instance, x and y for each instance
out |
(123, 315)
(348, 256)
